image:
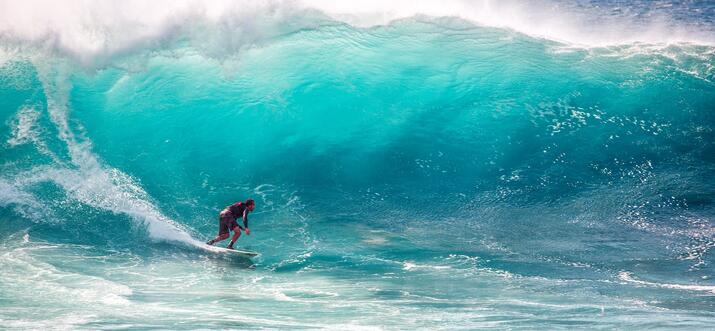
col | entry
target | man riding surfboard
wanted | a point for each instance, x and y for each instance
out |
(227, 221)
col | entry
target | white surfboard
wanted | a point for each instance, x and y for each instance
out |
(221, 250)
(239, 252)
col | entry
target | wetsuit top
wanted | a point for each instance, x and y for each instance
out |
(238, 210)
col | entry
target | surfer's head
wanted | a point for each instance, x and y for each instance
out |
(250, 204)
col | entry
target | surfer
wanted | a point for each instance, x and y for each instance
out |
(227, 221)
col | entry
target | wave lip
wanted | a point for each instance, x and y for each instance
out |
(553, 20)
(87, 30)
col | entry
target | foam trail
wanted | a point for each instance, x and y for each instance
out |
(86, 179)
(628, 277)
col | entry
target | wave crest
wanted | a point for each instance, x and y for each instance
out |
(91, 31)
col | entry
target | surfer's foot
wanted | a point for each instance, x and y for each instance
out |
(211, 242)
(230, 245)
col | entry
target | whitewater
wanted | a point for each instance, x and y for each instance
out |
(451, 165)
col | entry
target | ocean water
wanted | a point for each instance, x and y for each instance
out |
(433, 166)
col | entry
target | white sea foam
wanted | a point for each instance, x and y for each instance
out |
(23, 202)
(87, 29)
(411, 266)
(110, 189)
(9, 194)
(85, 179)
(26, 271)
(628, 277)
(24, 128)
(5, 56)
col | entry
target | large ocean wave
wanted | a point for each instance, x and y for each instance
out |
(474, 146)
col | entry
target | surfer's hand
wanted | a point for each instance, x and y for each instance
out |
(248, 232)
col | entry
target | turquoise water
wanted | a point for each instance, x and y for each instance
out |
(427, 173)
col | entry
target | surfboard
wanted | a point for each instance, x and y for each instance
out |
(239, 252)
(221, 250)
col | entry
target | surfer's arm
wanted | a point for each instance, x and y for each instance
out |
(245, 222)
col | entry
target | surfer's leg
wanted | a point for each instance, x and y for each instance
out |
(217, 239)
(222, 232)
(236, 234)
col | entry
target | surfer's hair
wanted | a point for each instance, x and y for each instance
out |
(250, 202)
